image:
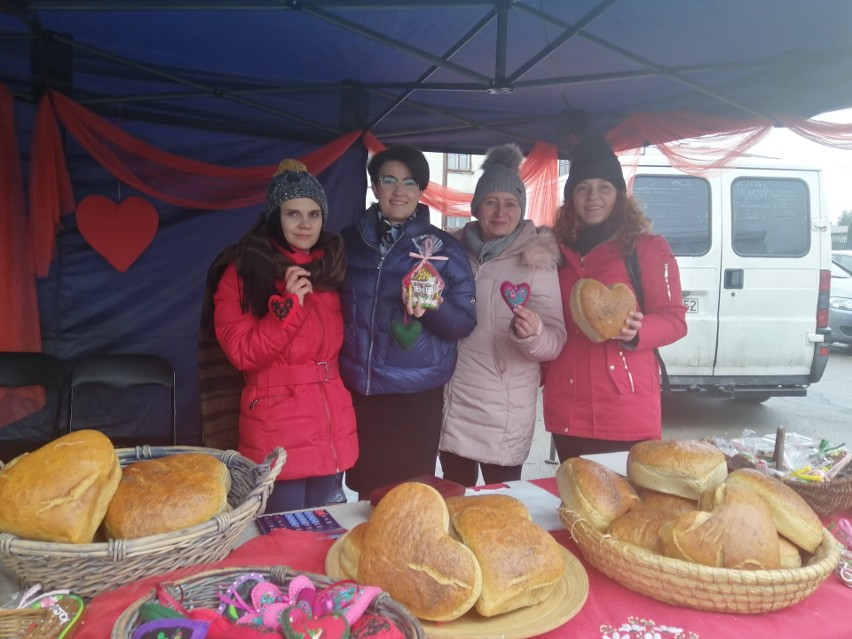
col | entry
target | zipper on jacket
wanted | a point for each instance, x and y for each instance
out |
(627, 370)
(373, 323)
(255, 401)
(330, 428)
(666, 278)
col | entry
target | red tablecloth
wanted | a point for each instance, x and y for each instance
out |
(609, 605)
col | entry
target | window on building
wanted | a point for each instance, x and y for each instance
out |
(564, 165)
(458, 162)
(455, 221)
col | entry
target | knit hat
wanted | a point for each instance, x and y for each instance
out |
(593, 157)
(292, 181)
(500, 175)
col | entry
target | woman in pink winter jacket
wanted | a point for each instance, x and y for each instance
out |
(278, 319)
(490, 402)
(604, 397)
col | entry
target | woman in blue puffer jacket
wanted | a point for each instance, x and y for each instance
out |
(396, 355)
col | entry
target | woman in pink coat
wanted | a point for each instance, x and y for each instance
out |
(277, 317)
(490, 402)
(604, 397)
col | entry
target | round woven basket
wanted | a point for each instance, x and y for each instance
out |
(825, 497)
(89, 569)
(202, 591)
(28, 623)
(692, 585)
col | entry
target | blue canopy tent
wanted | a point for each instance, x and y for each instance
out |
(242, 84)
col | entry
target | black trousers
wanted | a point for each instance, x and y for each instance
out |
(398, 438)
(465, 471)
(568, 446)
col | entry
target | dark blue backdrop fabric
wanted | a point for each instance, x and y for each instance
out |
(89, 307)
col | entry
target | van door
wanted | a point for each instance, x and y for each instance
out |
(749, 245)
(680, 207)
(770, 273)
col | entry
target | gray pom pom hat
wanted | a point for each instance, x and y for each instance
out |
(500, 174)
(292, 181)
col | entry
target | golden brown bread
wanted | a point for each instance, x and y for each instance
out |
(520, 562)
(641, 527)
(790, 555)
(170, 493)
(678, 467)
(593, 491)
(598, 310)
(738, 533)
(408, 552)
(503, 504)
(792, 515)
(673, 504)
(60, 492)
(350, 550)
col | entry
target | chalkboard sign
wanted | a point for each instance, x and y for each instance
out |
(770, 217)
(679, 207)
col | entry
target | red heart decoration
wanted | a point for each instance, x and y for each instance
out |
(515, 294)
(119, 232)
(333, 626)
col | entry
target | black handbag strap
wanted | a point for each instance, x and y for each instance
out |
(631, 262)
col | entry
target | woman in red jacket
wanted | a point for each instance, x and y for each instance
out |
(604, 397)
(277, 317)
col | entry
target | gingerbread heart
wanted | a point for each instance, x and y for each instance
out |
(515, 294)
(600, 311)
(406, 333)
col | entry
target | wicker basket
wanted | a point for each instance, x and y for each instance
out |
(88, 569)
(691, 585)
(825, 497)
(201, 591)
(28, 623)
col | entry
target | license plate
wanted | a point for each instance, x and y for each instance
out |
(691, 304)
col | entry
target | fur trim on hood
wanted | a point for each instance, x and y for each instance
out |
(542, 250)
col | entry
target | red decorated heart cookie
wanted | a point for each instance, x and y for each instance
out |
(515, 294)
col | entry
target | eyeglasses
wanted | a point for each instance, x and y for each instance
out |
(389, 183)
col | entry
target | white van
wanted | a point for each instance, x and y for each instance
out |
(754, 251)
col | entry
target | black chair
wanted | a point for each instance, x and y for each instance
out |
(19, 369)
(121, 372)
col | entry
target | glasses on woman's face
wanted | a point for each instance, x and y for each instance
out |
(389, 182)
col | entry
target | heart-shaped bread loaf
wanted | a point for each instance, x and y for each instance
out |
(60, 492)
(408, 552)
(598, 310)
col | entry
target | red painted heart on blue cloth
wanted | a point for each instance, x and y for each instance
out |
(515, 294)
(119, 232)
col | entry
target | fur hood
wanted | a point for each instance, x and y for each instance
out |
(540, 248)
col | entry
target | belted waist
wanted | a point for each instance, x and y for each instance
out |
(302, 374)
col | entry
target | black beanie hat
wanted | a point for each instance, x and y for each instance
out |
(292, 181)
(593, 157)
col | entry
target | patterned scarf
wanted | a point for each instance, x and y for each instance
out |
(259, 264)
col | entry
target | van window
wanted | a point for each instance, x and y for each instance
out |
(679, 207)
(770, 217)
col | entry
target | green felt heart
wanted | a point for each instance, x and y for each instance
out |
(406, 334)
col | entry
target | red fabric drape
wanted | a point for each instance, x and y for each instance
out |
(699, 143)
(159, 174)
(19, 328)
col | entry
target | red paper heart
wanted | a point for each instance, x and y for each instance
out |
(119, 232)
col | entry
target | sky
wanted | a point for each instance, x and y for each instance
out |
(836, 164)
